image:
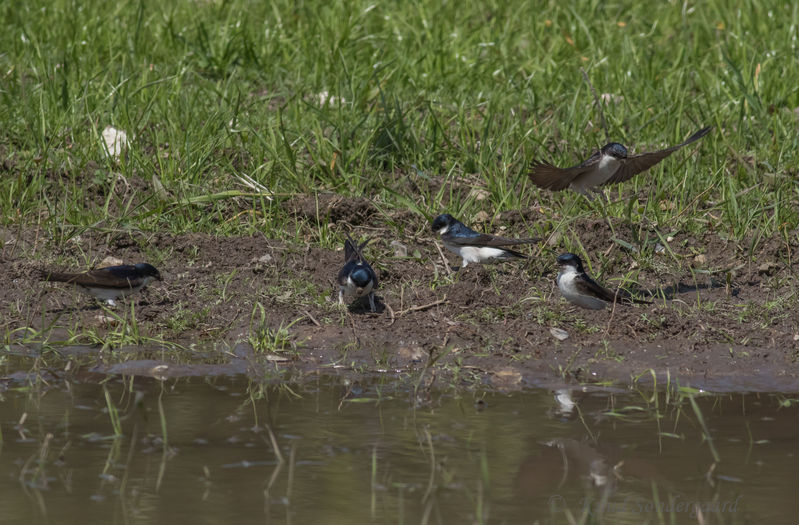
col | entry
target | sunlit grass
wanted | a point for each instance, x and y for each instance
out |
(406, 104)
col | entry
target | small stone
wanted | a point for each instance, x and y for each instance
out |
(258, 263)
(796, 337)
(559, 333)
(242, 350)
(669, 239)
(400, 250)
(481, 216)
(410, 353)
(479, 194)
(159, 371)
(506, 378)
(767, 268)
(106, 320)
(110, 261)
(700, 260)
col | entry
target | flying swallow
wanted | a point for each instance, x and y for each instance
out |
(111, 283)
(609, 165)
(473, 246)
(578, 287)
(356, 277)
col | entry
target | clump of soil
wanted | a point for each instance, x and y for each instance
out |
(329, 207)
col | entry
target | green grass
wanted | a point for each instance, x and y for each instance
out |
(423, 100)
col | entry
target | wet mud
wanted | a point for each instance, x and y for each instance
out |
(723, 314)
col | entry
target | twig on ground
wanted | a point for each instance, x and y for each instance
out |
(311, 317)
(443, 259)
(422, 307)
(612, 313)
(390, 312)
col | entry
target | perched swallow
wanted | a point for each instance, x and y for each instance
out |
(578, 287)
(473, 246)
(111, 283)
(609, 165)
(356, 278)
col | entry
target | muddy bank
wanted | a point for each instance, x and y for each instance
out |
(722, 313)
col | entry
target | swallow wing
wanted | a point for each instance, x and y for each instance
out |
(353, 257)
(484, 239)
(102, 278)
(349, 250)
(58, 277)
(636, 164)
(353, 252)
(344, 273)
(588, 286)
(549, 177)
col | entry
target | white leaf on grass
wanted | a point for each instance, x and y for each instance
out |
(324, 98)
(610, 97)
(159, 189)
(115, 141)
(400, 250)
(254, 185)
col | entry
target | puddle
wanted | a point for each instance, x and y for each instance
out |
(202, 450)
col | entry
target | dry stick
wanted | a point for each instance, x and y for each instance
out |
(598, 105)
(694, 201)
(275, 447)
(612, 312)
(354, 331)
(422, 307)
(309, 316)
(292, 462)
(390, 312)
(444, 259)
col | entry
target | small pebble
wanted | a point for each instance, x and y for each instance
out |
(559, 334)
(400, 250)
(110, 261)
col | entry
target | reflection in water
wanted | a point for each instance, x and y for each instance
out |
(222, 450)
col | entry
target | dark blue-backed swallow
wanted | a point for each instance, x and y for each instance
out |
(356, 279)
(108, 284)
(609, 165)
(474, 246)
(578, 287)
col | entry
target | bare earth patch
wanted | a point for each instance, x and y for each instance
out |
(723, 316)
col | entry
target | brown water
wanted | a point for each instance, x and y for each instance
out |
(200, 451)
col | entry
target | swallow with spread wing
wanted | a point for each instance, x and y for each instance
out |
(609, 165)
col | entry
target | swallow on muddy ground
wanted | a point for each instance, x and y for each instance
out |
(609, 165)
(356, 278)
(108, 284)
(578, 287)
(473, 246)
